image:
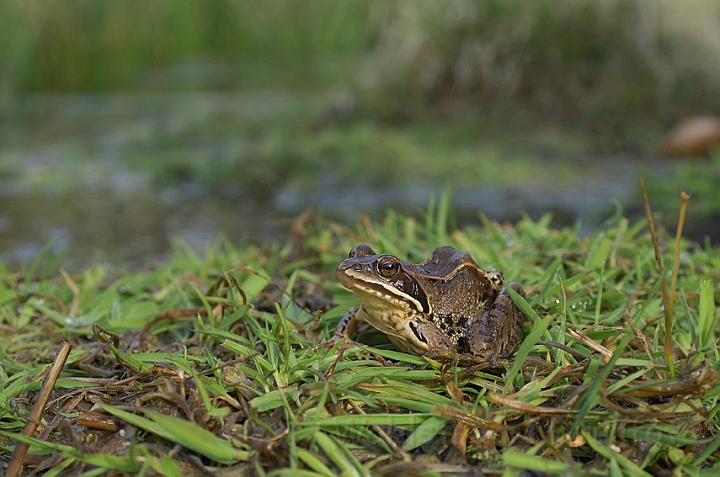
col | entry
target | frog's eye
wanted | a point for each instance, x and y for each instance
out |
(388, 267)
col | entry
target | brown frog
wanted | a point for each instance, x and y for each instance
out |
(445, 303)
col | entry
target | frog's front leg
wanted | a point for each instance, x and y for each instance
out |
(343, 334)
(347, 325)
(429, 337)
(500, 330)
(344, 330)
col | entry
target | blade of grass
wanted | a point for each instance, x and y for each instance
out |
(383, 419)
(591, 396)
(598, 298)
(314, 462)
(108, 461)
(59, 468)
(168, 467)
(521, 460)
(200, 384)
(129, 360)
(30, 275)
(706, 314)
(185, 433)
(341, 457)
(274, 399)
(540, 325)
(599, 253)
(424, 433)
(548, 277)
(396, 389)
(444, 216)
(430, 226)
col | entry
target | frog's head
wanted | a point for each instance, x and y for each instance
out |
(383, 281)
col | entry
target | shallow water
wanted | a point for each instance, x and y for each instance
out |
(69, 172)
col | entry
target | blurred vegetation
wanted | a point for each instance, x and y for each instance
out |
(602, 63)
(95, 46)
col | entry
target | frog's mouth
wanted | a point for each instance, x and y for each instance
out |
(390, 316)
(378, 294)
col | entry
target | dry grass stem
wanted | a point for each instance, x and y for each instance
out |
(684, 198)
(668, 348)
(16, 461)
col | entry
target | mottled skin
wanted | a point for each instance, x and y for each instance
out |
(444, 303)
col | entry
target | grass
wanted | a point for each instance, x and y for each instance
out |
(206, 362)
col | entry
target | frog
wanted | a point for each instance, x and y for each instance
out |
(446, 303)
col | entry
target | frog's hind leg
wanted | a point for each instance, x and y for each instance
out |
(500, 330)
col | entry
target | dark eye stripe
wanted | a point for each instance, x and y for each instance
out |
(416, 332)
(409, 285)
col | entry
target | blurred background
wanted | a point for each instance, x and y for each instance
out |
(125, 123)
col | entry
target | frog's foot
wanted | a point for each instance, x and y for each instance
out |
(463, 359)
(442, 355)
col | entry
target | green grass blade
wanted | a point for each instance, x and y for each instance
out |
(185, 433)
(425, 432)
(30, 275)
(590, 396)
(709, 450)
(198, 439)
(706, 311)
(129, 359)
(60, 468)
(340, 457)
(540, 325)
(314, 462)
(169, 467)
(108, 461)
(384, 419)
(522, 460)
